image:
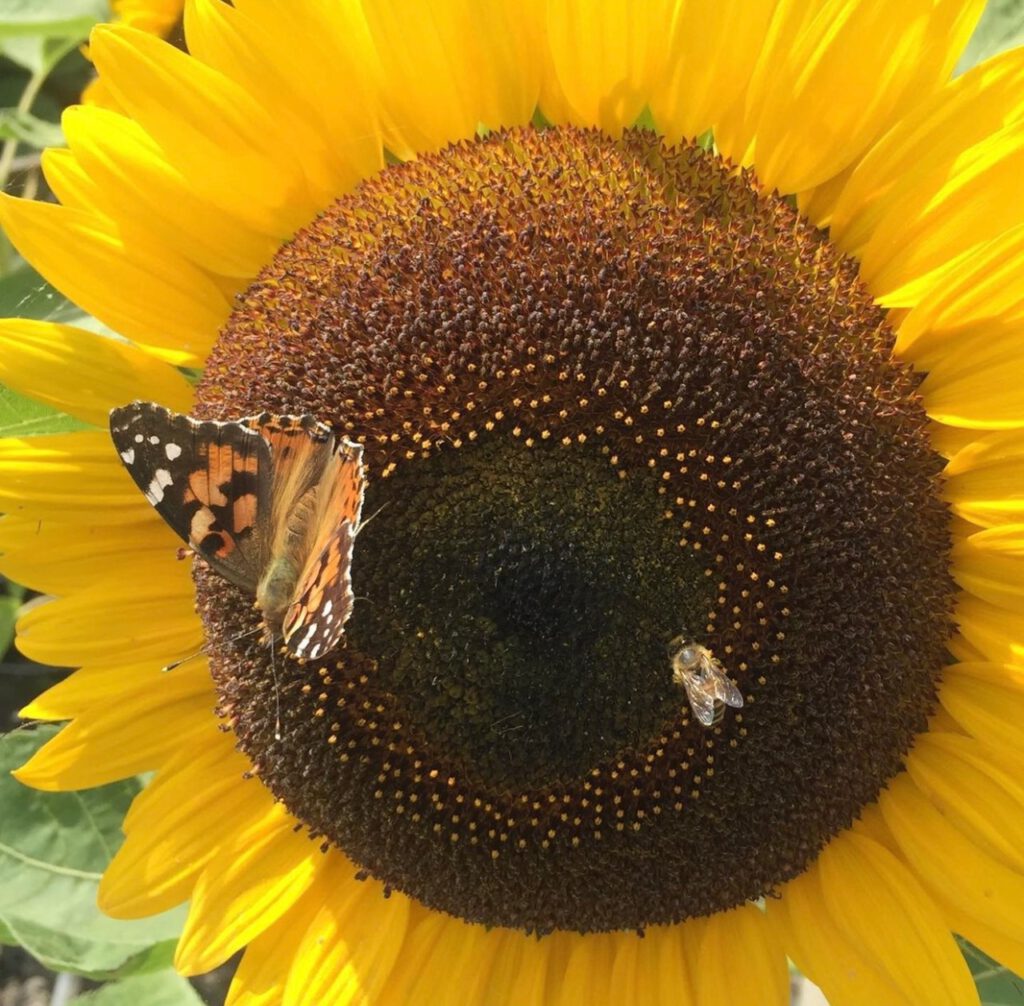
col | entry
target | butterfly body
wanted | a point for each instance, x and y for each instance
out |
(276, 588)
(272, 503)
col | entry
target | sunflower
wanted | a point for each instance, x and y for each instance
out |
(655, 321)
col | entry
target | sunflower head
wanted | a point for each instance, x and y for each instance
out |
(610, 394)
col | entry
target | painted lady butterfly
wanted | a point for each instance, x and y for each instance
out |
(272, 503)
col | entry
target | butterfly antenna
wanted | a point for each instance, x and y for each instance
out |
(184, 660)
(202, 651)
(277, 693)
(363, 523)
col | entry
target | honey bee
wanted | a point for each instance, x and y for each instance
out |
(707, 686)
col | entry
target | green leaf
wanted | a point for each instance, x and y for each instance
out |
(38, 34)
(28, 128)
(53, 850)
(997, 985)
(164, 988)
(25, 417)
(52, 18)
(10, 602)
(36, 53)
(1001, 27)
(25, 294)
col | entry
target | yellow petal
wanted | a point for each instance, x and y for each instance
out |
(519, 970)
(760, 976)
(872, 825)
(998, 634)
(90, 687)
(61, 559)
(260, 978)
(552, 104)
(330, 118)
(941, 183)
(998, 579)
(347, 953)
(69, 182)
(818, 203)
(947, 861)
(979, 381)
(949, 440)
(984, 296)
(456, 971)
(962, 650)
(606, 968)
(627, 976)
(158, 17)
(137, 187)
(1007, 540)
(963, 212)
(68, 477)
(606, 56)
(138, 288)
(428, 89)
(510, 61)
(835, 75)
(117, 742)
(588, 969)
(890, 921)
(115, 619)
(228, 147)
(653, 969)
(1000, 947)
(712, 49)
(447, 68)
(424, 929)
(987, 700)
(83, 373)
(940, 130)
(175, 826)
(845, 76)
(846, 975)
(980, 799)
(985, 479)
(252, 879)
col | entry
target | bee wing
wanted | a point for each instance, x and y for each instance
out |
(702, 704)
(724, 690)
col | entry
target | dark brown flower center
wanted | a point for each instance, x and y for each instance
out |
(610, 394)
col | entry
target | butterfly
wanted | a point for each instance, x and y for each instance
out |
(272, 503)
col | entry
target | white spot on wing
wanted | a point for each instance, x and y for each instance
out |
(154, 440)
(173, 451)
(327, 607)
(139, 438)
(128, 456)
(161, 480)
(300, 648)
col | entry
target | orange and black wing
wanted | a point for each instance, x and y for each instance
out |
(300, 451)
(315, 621)
(210, 482)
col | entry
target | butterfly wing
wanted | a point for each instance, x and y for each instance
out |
(208, 480)
(300, 449)
(315, 620)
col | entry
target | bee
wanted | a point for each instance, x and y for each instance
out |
(707, 686)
